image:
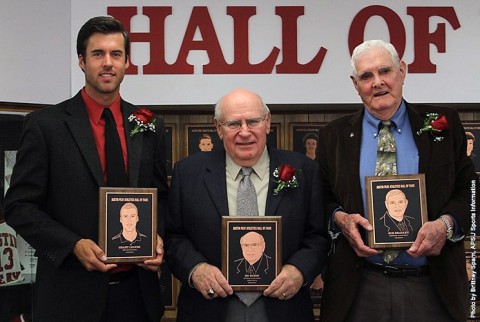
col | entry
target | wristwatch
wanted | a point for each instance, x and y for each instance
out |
(448, 226)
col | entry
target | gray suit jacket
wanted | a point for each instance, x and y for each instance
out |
(53, 202)
(448, 174)
(197, 202)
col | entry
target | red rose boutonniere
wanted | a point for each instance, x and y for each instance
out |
(144, 120)
(286, 177)
(435, 124)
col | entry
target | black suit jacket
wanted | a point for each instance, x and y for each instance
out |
(53, 202)
(197, 202)
(448, 173)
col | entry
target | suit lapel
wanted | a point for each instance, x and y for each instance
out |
(215, 182)
(134, 145)
(80, 127)
(273, 201)
(423, 142)
(351, 138)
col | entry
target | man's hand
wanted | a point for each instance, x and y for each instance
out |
(154, 264)
(206, 277)
(349, 223)
(91, 256)
(286, 284)
(430, 239)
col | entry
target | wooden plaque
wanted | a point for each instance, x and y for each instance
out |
(128, 224)
(397, 208)
(251, 251)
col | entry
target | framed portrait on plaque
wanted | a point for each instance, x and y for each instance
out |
(397, 208)
(201, 138)
(128, 224)
(472, 132)
(251, 251)
(304, 138)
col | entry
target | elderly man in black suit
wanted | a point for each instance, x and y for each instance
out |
(204, 188)
(53, 199)
(428, 281)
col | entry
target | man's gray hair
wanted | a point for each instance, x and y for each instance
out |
(369, 44)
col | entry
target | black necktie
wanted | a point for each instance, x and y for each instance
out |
(116, 174)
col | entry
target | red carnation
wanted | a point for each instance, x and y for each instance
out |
(440, 123)
(144, 115)
(286, 172)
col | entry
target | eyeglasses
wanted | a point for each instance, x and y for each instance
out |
(252, 245)
(251, 123)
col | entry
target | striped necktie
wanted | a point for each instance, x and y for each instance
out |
(386, 165)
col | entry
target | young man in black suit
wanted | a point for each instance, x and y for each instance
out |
(53, 199)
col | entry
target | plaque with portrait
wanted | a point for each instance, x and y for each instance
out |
(128, 224)
(304, 138)
(251, 251)
(397, 208)
(472, 131)
(201, 138)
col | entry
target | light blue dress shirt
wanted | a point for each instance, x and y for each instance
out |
(407, 161)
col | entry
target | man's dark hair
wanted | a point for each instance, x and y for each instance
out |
(309, 136)
(470, 136)
(104, 25)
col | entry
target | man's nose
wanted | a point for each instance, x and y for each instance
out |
(377, 81)
(244, 130)
(107, 60)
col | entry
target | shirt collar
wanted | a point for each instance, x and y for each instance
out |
(398, 119)
(260, 168)
(95, 110)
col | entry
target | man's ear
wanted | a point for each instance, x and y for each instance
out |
(81, 63)
(403, 69)
(268, 120)
(218, 126)
(354, 81)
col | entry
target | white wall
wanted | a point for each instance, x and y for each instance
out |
(34, 51)
(38, 62)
